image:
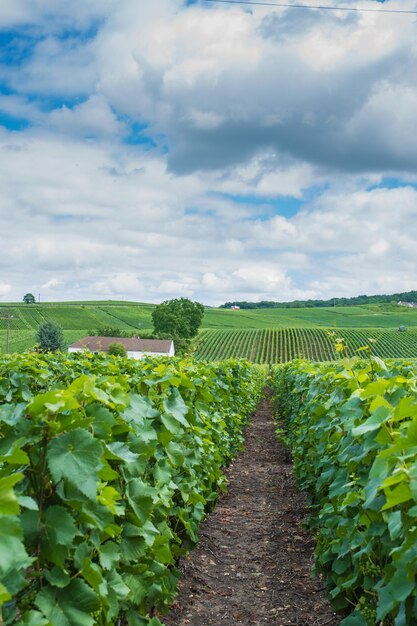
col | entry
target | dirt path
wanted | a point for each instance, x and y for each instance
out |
(253, 563)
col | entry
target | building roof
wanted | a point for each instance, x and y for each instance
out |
(132, 344)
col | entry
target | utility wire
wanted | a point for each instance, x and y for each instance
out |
(307, 6)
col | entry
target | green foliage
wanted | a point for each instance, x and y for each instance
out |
(180, 318)
(117, 349)
(183, 347)
(370, 316)
(353, 432)
(408, 296)
(107, 331)
(106, 471)
(29, 298)
(127, 319)
(50, 337)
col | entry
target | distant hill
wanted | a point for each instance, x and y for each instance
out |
(19, 322)
(408, 296)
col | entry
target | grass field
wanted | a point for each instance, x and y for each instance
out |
(77, 318)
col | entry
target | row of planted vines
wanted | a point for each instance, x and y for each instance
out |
(107, 467)
(352, 427)
(280, 345)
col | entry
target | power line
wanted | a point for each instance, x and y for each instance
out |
(307, 6)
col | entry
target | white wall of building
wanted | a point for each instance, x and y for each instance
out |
(136, 355)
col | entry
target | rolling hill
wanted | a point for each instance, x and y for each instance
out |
(78, 318)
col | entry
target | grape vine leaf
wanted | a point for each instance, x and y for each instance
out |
(9, 504)
(12, 552)
(75, 457)
(69, 606)
(60, 525)
(33, 618)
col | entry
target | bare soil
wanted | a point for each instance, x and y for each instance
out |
(253, 563)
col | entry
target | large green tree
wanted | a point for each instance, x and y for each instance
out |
(180, 318)
(50, 337)
(29, 298)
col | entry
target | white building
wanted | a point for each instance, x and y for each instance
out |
(136, 348)
(411, 305)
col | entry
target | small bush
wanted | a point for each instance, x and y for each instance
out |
(117, 349)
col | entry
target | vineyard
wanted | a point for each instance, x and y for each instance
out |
(107, 467)
(271, 335)
(280, 345)
(352, 428)
(76, 321)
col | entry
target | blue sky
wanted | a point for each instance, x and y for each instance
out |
(179, 148)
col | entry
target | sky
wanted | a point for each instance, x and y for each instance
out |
(154, 149)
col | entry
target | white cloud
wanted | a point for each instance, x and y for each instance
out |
(223, 88)
(93, 117)
(97, 221)
(19, 107)
(48, 16)
(52, 284)
(119, 284)
(252, 112)
(5, 288)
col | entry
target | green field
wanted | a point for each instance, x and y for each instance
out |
(279, 345)
(372, 316)
(77, 318)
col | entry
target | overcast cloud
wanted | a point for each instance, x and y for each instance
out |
(156, 150)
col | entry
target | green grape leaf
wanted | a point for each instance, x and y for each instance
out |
(9, 504)
(12, 551)
(70, 606)
(379, 416)
(33, 618)
(109, 555)
(176, 407)
(57, 577)
(120, 450)
(4, 595)
(53, 402)
(141, 498)
(60, 525)
(28, 503)
(75, 457)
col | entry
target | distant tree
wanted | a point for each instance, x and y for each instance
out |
(180, 318)
(29, 298)
(117, 349)
(50, 337)
(408, 296)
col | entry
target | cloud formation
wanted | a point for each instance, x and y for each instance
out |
(158, 150)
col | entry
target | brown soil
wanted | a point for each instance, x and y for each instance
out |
(253, 563)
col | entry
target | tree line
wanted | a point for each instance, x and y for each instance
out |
(408, 296)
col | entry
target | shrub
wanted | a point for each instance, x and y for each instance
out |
(117, 349)
(50, 337)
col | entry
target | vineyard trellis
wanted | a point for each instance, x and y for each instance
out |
(15, 333)
(280, 345)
